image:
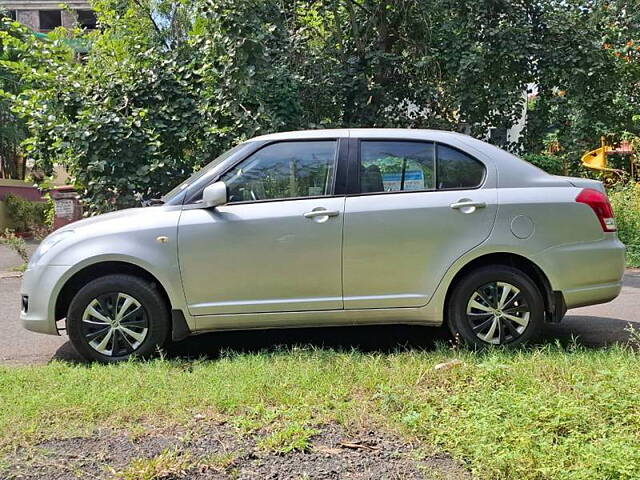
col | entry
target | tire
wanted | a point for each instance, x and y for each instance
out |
(124, 308)
(479, 316)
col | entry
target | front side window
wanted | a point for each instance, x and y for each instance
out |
(284, 170)
(396, 166)
(196, 176)
(457, 170)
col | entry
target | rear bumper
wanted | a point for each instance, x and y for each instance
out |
(585, 273)
(581, 297)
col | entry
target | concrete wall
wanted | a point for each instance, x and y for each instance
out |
(29, 18)
(68, 18)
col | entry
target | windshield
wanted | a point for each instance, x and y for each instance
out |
(200, 173)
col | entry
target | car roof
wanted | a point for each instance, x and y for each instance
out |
(456, 139)
(359, 133)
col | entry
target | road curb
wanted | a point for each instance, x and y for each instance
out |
(10, 275)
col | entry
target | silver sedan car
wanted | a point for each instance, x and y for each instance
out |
(328, 228)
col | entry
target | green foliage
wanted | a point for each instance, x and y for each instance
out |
(587, 74)
(12, 129)
(30, 70)
(549, 163)
(27, 216)
(134, 132)
(625, 201)
(49, 212)
(11, 240)
(289, 438)
(167, 464)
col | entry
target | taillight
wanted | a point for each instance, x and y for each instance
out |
(599, 203)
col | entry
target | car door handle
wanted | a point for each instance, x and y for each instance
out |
(467, 203)
(321, 213)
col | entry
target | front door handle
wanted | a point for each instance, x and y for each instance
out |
(321, 213)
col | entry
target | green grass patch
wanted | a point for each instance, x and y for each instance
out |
(543, 413)
(218, 461)
(168, 464)
(19, 268)
(291, 437)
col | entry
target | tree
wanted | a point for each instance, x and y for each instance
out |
(588, 75)
(12, 129)
(168, 84)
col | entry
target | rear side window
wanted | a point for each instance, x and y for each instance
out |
(404, 166)
(396, 166)
(457, 170)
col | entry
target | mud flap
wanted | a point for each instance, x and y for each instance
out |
(179, 328)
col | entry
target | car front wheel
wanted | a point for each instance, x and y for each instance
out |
(496, 305)
(117, 316)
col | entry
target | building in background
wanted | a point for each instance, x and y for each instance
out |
(45, 15)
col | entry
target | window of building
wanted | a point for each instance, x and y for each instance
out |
(498, 136)
(87, 19)
(12, 14)
(50, 19)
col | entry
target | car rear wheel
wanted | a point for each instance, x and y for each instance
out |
(117, 316)
(496, 305)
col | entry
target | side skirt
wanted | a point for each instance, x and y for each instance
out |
(324, 318)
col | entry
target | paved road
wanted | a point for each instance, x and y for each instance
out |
(595, 326)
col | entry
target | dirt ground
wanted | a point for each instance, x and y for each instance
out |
(209, 450)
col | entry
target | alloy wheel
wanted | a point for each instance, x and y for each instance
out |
(498, 313)
(115, 324)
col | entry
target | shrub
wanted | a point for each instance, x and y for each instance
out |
(549, 163)
(27, 216)
(626, 206)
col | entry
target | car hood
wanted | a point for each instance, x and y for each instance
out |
(128, 215)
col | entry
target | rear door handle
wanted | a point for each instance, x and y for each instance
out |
(321, 213)
(467, 203)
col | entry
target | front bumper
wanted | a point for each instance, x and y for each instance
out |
(41, 286)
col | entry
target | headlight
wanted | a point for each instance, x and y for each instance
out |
(46, 245)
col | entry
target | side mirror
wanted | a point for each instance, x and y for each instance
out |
(214, 195)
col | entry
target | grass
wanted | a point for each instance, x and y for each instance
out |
(168, 464)
(548, 412)
(218, 461)
(291, 437)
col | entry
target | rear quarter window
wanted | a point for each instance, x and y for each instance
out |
(457, 170)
